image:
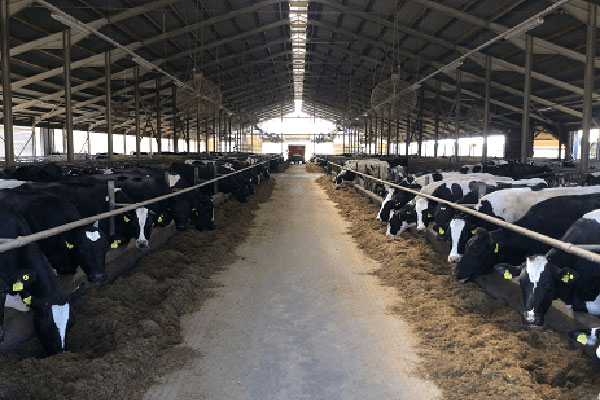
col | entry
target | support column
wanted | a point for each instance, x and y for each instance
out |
(525, 128)
(207, 134)
(187, 135)
(214, 134)
(33, 138)
(158, 117)
(389, 134)
(124, 142)
(138, 137)
(588, 88)
(370, 133)
(108, 105)
(486, 107)
(344, 139)
(198, 134)
(251, 138)
(229, 132)
(457, 112)
(174, 105)
(375, 132)
(89, 143)
(421, 104)
(67, 79)
(408, 128)
(436, 122)
(381, 134)
(9, 151)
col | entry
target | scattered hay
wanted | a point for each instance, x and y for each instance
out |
(127, 334)
(473, 346)
(314, 168)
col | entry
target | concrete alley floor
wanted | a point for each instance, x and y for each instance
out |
(298, 316)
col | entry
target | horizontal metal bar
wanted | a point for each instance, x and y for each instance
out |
(570, 248)
(21, 241)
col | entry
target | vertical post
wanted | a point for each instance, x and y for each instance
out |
(382, 133)
(198, 134)
(457, 113)
(486, 107)
(175, 139)
(389, 134)
(397, 137)
(124, 142)
(66, 41)
(89, 143)
(158, 118)
(375, 133)
(421, 104)
(9, 152)
(251, 138)
(344, 139)
(111, 206)
(229, 133)
(138, 138)
(214, 134)
(207, 149)
(588, 88)
(366, 133)
(526, 98)
(370, 133)
(408, 129)
(187, 134)
(108, 105)
(436, 123)
(33, 138)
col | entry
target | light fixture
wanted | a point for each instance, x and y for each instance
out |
(523, 28)
(71, 22)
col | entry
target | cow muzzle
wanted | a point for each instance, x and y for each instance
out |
(141, 244)
(532, 319)
(97, 278)
(454, 258)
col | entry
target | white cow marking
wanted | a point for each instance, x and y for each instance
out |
(530, 316)
(15, 302)
(456, 227)
(421, 205)
(535, 266)
(60, 315)
(598, 356)
(92, 235)
(390, 194)
(593, 307)
(595, 215)
(173, 179)
(142, 214)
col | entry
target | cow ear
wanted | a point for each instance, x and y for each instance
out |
(508, 271)
(567, 276)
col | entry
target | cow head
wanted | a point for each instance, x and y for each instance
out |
(401, 220)
(15, 284)
(460, 230)
(442, 216)
(90, 246)
(587, 337)
(539, 279)
(421, 206)
(203, 214)
(386, 205)
(181, 214)
(479, 257)
(143, 226)
(52, 317)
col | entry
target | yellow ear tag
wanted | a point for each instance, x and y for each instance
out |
(567, 277)
(18, 286)
(69, 245)
(441, 230)
(474, 231)
(114, 245)
(582, 339)
(507, 274)
(160, 218)
(126, 219)
(497, 248)
(25, 277)
(27, 301)
(429, 216)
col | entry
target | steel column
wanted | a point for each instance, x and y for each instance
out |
(158, 117)
(187, 134)
(486, 106)
(588, 88)
(397, 137)
(436, 126)
(108, 105)
(525, 126)
(457, 112)
(389, 133)
(408, 127)
(174, 111)
(381, 134)
(138, 137)
(421, 104)
(66, 41)
(9, 152)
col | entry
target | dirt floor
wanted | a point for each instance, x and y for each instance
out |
(125, 335)
(313, 168)
(472, 346)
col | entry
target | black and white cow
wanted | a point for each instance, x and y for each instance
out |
(559, 275)
(51, 309)
(589, 337)
(345, 176)
(85, 246)
(486, 249)
(508, 205)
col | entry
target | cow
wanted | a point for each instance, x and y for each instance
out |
(34, 285)
(85, 246)
(345, 176)
(485, 249)
(560, 275)
(508, 205)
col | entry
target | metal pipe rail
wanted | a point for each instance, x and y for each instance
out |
(576, 250)
(10, 244)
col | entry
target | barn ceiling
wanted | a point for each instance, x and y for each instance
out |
(246, 48)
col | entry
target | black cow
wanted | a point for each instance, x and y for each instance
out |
(486, 249)
(401, 220)
(85, 246)
(51, 309)
(560, 275)
(39, 173)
